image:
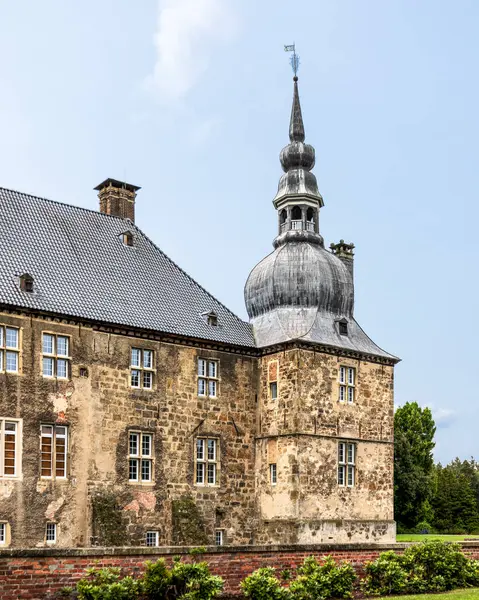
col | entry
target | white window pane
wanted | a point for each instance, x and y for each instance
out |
(51, 533)
(201, 387)
(342, 375)
(47, 367)
(135, 379)
(200, 449)
(12, 338)
(200, 472)
(212, 369)
(133, 470)
(10, 427)
(61, 431)
(212, 388)
(350, 395)
(1, 360)
(147, 359)
(219, 538)
(135, 357)
(341, 469)
(11, 362)
(2, 340)
(146, 470)
(146, 445)
(211, 473)
(62, 368)
(47, 430)
(62, 345)
(273, 473)
(201, 367)
(47, 343)
(273, 390)
(350, 476)
(3, 536)
(341, 453)
(351, 376)
(152, 538)
(342, 393)
(211, 449)
(134, 444)
(351, 453)
(147, 380)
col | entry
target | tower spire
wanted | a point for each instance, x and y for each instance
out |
(296, 125)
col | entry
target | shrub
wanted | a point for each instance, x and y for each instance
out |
(107, 584)
(263, 584)
(385, 575)
(423, 527)
(156, 580)
(326, 580)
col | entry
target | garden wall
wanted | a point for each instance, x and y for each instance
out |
(40, 573)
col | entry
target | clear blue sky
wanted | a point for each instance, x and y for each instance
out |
(191, 98)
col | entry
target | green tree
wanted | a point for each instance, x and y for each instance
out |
(455, 501)
(414, 430)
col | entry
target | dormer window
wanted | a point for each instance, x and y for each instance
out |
(342, 327)
(211, 318)
(127, 238)
(26, 283)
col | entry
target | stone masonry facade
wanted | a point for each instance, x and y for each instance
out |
(297, 428)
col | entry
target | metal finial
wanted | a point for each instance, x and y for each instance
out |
(294, 59)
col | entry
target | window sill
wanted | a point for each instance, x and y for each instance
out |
(142, 483)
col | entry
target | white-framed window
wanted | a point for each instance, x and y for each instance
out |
(55, 356)
(9, 349)
(219, 537)
(208, 377)
(140, 457)
(347, 382)
(10, 448)
(51, 533)
(273, 474)
(142, 368)
(3, 534)
(346, 464)
(53, 451)
(152, 538)
(273, 390)
(206, 461)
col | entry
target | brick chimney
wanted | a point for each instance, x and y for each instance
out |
(117, 198)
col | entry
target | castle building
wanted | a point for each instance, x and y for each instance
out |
(136, 409)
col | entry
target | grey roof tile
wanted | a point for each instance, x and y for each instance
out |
(81, 268)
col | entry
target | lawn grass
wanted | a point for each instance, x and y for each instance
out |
(419, 537)
(468, 594)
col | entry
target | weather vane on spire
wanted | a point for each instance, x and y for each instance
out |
(294, 59)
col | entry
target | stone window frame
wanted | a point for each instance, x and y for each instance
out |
(17, 435)
(142, 369)
(273, 474)
(141, 457)
(7, 351)
(347, 475)
(273, 383)
(54, 452)
(347, 384)
(51, 533)
(208, 380)
(206, 461)
(55, 357)
(219, 537)
(152, 535)
(5, 534)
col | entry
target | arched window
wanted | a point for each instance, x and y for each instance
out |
(296, 213)
(310, 214)
(283, 216)
(26, 283)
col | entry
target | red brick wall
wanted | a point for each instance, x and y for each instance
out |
(39, 574)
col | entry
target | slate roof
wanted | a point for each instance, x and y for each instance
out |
(81, 268)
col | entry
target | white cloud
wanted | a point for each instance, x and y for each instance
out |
(443, 417)
(186, 35)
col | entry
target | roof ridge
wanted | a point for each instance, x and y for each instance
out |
(189, 276)
(90, 210)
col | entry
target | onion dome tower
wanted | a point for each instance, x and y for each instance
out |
(302, 291)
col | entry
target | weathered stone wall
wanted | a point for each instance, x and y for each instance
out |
(40, 574)
(300, 431)
(99, 409)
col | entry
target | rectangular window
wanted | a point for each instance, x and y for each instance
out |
(141, 368)
(207, 378)
(9, 349)
(219, 537)
(347, 381)
(152, 538)
(206, 461)
(51, 533)
(9, 448)
(53, 451)
(56, 356)
(3, 534)
(140, 457)
(273, 474)
(346, 464)
(273, 390)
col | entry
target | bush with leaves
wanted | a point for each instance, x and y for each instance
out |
(107, 584)
(323, 580)
(263, 584)
(385, 575)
